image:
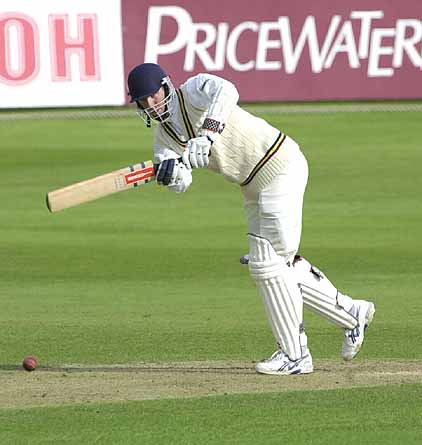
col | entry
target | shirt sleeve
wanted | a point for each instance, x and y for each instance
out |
(161, 151)
(216, 96)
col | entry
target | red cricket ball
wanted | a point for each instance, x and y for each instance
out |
(30, 363)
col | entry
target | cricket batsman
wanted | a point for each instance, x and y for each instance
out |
(200, 125)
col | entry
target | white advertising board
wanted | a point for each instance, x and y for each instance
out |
(59, 53)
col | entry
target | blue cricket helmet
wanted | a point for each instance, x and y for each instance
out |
(145, 80)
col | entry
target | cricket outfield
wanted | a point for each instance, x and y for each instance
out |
(147, 328)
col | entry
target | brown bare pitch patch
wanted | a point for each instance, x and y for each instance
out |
(75, 384)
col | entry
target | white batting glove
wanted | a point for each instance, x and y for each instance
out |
(175, 175)
(182, 180)
(197, 152)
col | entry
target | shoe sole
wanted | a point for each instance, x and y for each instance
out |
(305, 371)
(370, 313)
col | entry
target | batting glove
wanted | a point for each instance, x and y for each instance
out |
(175, 175)
(197, 152)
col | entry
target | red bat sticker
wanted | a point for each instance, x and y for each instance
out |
(139, 175)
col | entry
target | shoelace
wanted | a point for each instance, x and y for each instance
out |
(275, 355)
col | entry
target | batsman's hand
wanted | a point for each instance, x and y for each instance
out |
(197, 153)
(175, 175)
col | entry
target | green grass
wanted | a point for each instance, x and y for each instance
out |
(364, 416)
(150, 276)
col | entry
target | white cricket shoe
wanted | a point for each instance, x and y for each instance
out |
(280, 364)
(364, 311)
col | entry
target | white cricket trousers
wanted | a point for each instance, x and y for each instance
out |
(275, 212)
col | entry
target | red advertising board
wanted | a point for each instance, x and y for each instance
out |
(283, 51)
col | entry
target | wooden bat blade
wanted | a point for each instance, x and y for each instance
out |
(100, 186)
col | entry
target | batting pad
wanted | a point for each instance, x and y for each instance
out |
(280, 293)
(321, 296)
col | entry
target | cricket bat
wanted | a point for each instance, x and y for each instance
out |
(100, 186)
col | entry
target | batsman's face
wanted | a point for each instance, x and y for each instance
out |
(155, 102)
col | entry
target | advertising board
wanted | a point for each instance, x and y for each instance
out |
(56, 53)
(284, 51)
